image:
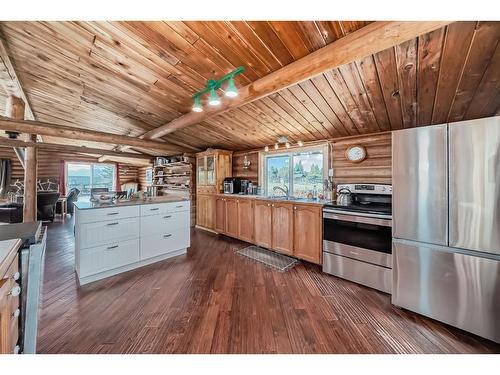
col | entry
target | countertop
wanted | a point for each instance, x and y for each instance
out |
(8, 250)
(318, 202)
(81, 205)
(27, 232)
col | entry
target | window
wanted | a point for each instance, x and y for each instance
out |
(85, 176)
(301, 171)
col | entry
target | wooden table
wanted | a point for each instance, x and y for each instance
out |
(64, 206)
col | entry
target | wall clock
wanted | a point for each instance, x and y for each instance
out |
(355, 153)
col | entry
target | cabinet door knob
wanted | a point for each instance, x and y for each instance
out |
(15, 291)
(294, 207)
(16, 276)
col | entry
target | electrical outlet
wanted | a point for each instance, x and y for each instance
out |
(330, 172)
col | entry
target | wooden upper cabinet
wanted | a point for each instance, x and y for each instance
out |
(282, 227)
(201, 175)
(263, 224)
(220, 215)
(231, 217)
(212, 167)
(307, 232)
(245, 220)
(210, 170)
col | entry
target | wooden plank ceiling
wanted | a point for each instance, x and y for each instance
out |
(129, 77)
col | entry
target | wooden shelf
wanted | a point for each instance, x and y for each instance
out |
(173, 175)
(175, 164)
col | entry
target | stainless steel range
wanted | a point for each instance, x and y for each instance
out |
(357, 235)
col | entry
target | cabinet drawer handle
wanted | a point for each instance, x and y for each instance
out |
(15, 291)
(16, 276)
(115, 223)
(16, 313)
(112, 213)
(179, 206)
(167, 217)
(167, 235)
(112, 247)
(154, 209)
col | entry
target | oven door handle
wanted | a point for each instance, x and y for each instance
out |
(358, 219)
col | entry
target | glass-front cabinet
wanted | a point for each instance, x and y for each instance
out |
(201, 179)
(210, 160)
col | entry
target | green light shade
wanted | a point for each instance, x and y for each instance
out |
(231, 90)
(214, 99)
(197, 107)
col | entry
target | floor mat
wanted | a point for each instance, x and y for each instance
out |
(274, 260)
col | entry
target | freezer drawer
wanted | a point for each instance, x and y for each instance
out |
(475, 185)
(376, 277)
(420, 184)
(456, 288)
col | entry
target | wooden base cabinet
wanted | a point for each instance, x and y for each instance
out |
(287, 227)
(232, 217)
(282, 228)
(263, 233)
(9, 308)
(220, 214)
(245, 220)
(205, 211)
(307, 232)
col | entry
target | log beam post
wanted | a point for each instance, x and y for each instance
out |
(14, 109)
(30, 185)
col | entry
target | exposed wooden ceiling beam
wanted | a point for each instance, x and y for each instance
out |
(54, 130)
(9, 79)
(366, 41)
(68, 148)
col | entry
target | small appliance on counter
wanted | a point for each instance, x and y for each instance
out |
(357, 235)
(232, 185)
(244, 186)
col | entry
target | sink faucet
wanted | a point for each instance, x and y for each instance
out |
(284, 189)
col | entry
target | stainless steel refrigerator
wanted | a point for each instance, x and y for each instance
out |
(446, 223)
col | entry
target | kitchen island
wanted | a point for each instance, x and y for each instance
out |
(118, 237)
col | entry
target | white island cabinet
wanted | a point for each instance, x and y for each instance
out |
(110, 239)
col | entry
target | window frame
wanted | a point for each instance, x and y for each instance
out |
(263, 156)
(91, 164)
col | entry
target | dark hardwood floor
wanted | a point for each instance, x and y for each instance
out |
(214, 301)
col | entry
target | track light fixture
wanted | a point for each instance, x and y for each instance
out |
(197, 107)
(214, 98)
(283, 140)
(230, 90)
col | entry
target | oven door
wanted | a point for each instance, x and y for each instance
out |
(368, 239)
